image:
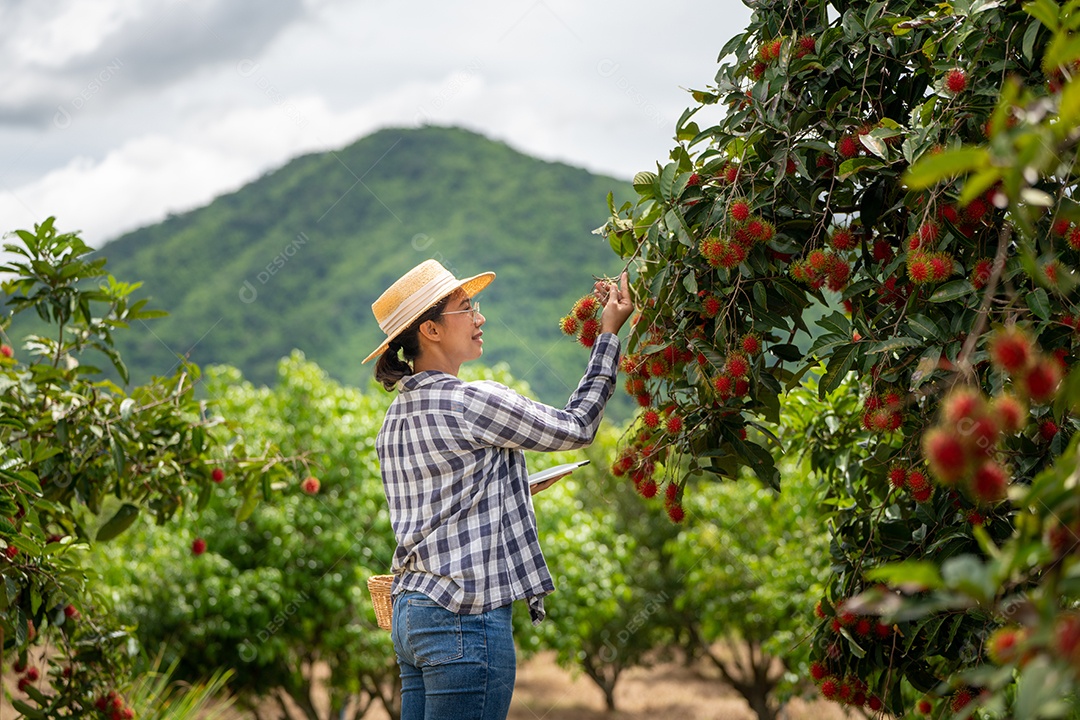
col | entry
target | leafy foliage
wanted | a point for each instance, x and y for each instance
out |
(81, 460)
(913, 161)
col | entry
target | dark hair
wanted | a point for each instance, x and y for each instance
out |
(390, 367)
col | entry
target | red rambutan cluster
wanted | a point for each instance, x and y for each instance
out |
(842, 238)
(821, 267)
(583, 321)
(923, 268)
(883, 412)
(1035, 376)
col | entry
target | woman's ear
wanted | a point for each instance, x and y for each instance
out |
(430, 330)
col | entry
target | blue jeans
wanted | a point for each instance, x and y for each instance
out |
(453, 667)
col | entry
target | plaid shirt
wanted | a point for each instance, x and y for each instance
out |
(453, 468)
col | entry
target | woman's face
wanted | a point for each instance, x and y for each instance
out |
(463, 340)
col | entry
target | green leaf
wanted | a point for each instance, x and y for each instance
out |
(251, 500)
(893, 343)
(26, 710)
(1045, 11)
(118, 523)
(1039, 303)
(1028, 44)
(924, 326)
(854, 165)
(839, 364)
(952, 291)
(787, 352)
(910, 572)
(929, 170)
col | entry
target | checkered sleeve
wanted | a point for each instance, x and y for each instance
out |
(498, 416)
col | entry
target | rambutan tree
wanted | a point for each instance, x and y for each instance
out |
(888, 194)
(81, 459)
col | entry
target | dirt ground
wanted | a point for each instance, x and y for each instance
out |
(545, 691)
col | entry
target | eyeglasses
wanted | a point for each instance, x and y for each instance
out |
(473, 310)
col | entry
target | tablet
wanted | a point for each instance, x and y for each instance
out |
(553, 472)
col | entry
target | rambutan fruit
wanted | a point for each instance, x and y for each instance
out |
(586, 307)
(976, 210)
(925, 707)
(960, 700)
(674, 424)
(897, 476)
(989, 482)
(1060, 227)
(724, 385)
(1073, 238)
(1011, 413)
(830, 688)
(956, 81)
(848, 146)
(650, 418)
(1003, 646)
(676, 513)
(918, 269)
(750, 344)
(818, 671)
(711, 306)
(1048, 429)
(1010, 350)
(980, 274)
(742, 387)
(739, 210)
(805, 46)
(944, 455)
(842, 238)
(963, 403)
(882, 251)
(737, 365)
(924, 494)
(1042, 380)
(941, 266)
(569, 325)
(949, 213)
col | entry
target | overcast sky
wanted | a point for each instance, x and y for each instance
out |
(117, 112)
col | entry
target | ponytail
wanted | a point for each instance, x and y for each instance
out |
(391, 367)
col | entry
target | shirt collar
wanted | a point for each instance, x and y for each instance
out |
(427, 377)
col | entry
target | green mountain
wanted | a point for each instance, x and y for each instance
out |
(295, 258)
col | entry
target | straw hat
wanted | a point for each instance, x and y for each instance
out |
(416, 292)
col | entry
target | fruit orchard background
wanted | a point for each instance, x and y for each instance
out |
(911, 165)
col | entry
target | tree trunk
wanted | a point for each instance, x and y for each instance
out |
(603, 681)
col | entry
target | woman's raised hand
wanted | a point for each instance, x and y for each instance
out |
(617, 303)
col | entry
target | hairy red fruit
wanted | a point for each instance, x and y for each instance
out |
(805, 46)
(198, 547)
(923, 494)
(737, 365)
(674, 424)
(217, 475)
(956, 81)
(742, 433)
(960, 700)
(644, 399)
(925, 706)
(1010, 350)
(740, 211)
(897, 476)
(676, 513)
(917, 480)
(989, 482)
(976, 210)
(918, 269)
(874, 703)
(724, 385)
(830, 688)
(569, 325)
(1073, 238)
(1048, 429)
(941, 266)
(882, 251)
(864, 627)
(848, 146)
(962, 404)
(945, 455)
(731, 174)
(750, 344)
(648, 489)
(882, 631)
(6, 350)
(818, 671)
(1003, 646)
(980, 274)
(586, 307)
(1011, 413)
(1060, 227)
(842, 239)
(974, 517)
(1042, 380)
(819, 610)
(650, 419)
(949, 213)
(742, 387)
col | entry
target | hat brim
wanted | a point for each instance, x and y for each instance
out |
(471, 286)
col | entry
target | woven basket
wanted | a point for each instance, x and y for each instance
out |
(379, 587)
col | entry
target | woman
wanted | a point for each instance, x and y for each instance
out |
(454, 472)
